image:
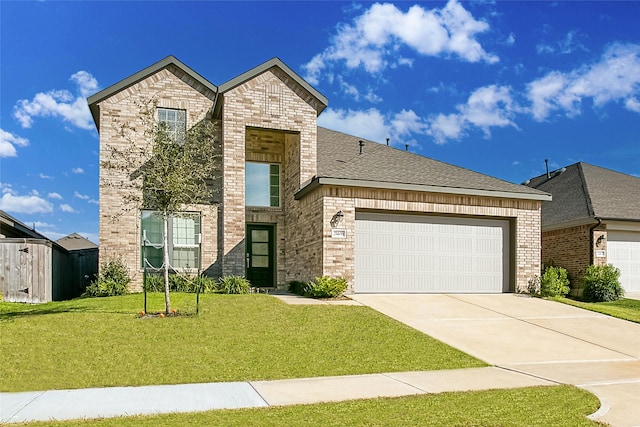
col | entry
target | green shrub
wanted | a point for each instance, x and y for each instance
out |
(602, 283)
(113, 279)
(233, 285)
(554, 282)
(178, 283)
(297, 287)
(325, 287)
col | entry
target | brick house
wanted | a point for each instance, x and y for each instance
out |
(295, 201)
(594, 219)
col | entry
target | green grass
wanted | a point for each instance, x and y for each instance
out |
(101, 342)
(557, 406)
(627, 309)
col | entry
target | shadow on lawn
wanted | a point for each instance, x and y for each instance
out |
(6, 314)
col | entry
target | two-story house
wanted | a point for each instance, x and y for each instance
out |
(295, 201)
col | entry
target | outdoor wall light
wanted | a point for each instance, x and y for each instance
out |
(600, 239)
(336, 219)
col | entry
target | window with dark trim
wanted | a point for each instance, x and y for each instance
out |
(262, 184)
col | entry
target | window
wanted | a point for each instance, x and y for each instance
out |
(184, 239)
(175, 122)
(262, 181)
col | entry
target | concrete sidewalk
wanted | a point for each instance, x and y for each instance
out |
(544, 339)
(147, 400)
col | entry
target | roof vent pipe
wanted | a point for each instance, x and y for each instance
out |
(546, 162)
(387, 141)
(406, 147)
(361, 143)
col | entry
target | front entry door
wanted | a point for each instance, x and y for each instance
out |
(260, 255)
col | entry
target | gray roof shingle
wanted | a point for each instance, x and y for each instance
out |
(339, 158)
(583, 191)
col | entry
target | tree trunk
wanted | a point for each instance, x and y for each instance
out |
(165, 261)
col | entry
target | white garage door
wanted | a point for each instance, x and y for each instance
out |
(420, 254)
(623, 249)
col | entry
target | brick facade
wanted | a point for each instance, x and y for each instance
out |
(264, 102)
(120, 219)
(574, 249)
(270, 118)
(338, 254)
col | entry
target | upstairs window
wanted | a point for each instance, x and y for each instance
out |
(175, 122)
(262, 184)
(183, 239)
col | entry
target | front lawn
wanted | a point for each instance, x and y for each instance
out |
(558, 406)
(101, 342)
(627, 309)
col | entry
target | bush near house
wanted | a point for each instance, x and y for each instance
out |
(320, 287)
(554, 282)
(602, 283)
(325, 287)
(179, 283)
(112, 280)
(233, 285)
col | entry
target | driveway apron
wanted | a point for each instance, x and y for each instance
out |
(545, 339)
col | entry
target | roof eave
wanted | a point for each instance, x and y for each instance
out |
(96, 98)
(276, 62)
(315, 183)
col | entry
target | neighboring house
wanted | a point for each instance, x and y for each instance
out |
(295, 201)
(594, 219)
(37, 270)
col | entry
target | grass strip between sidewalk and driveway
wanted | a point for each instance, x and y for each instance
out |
(102, 342)
(624, 308)
(558, 406)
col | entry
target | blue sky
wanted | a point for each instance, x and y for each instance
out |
(496, 87)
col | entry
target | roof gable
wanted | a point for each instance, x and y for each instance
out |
(583, 192)
(195, 80)
(382, 166)
(318, 101)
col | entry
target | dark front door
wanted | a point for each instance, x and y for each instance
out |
(260, 254)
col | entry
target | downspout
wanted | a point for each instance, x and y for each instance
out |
(591, 257)
(591, 253)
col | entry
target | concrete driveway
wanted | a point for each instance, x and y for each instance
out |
(541, 338)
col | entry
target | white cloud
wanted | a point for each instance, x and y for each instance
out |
(632, 104)
(487, 107)
(374, 38)
(615, 77)
(569, 44)
(67, 208)
(375, 126)
(31, 203)
(369, 124)
(43, 176)
(40, 224)
(55, 196)
(77, 170)
(9, 142)
(80, 196)
(93, 201)
(60, 104)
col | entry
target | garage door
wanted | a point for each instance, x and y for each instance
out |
(623, 249)
(420, 254)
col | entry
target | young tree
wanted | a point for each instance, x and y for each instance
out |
(164, 169)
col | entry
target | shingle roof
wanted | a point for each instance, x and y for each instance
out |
(75, 241)
(584, 192)
(384, 166)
